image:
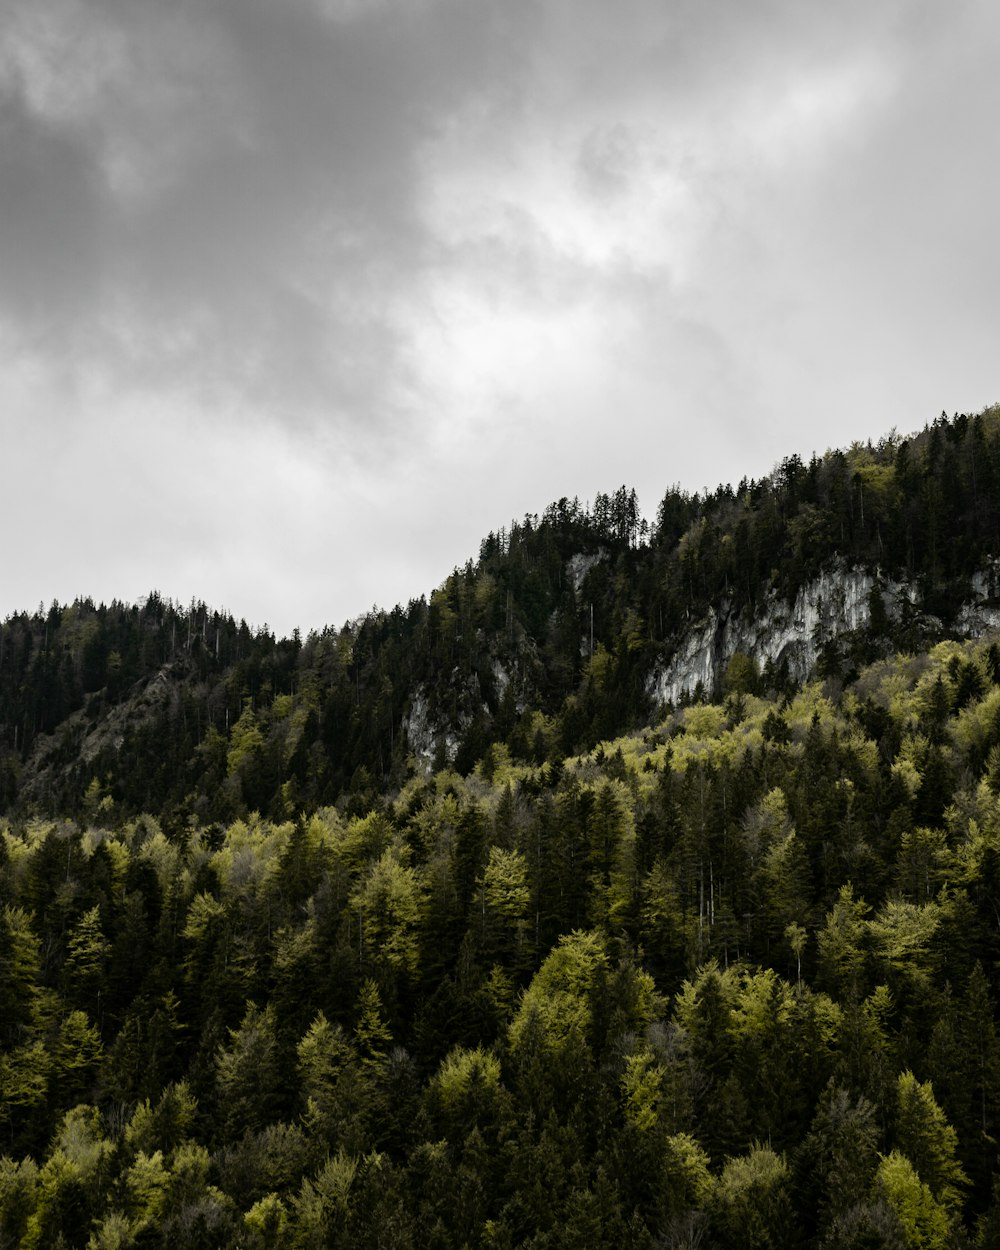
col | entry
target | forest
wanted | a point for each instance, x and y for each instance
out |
(434, 930)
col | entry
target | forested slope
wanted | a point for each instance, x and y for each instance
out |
(723, 973)
(185, 712)
(735, 974)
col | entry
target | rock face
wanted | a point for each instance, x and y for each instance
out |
(88, 734)
(423, 738)
(837, 602)
(982, 611)
(578, 566)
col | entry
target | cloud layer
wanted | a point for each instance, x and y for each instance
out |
(335, 286)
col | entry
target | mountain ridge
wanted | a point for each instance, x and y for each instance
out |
(585, 613)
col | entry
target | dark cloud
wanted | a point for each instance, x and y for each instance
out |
(52, 245)
(228, 201)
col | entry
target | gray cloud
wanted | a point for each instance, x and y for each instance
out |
(225, 198)
(446, 261)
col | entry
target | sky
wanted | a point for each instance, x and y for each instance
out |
(299, 299)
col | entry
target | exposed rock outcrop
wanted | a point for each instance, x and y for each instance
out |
(838, 602)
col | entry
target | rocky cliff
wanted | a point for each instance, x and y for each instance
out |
(837, 602)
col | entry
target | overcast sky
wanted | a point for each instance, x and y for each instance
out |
(300, 298)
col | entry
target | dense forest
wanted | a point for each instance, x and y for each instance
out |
(435, 930)
(184, 712)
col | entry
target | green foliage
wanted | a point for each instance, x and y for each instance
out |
(387, 904)
(556, 1012)
(751, 1203)
(164, 1127)
(924, 1221)
(371, 1032)
(928, 1140)
(466, 1092)
(273, 972)
(842, 943)
(642, 1084)
(248, 1076)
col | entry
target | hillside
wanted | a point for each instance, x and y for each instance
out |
(638, 888)
(584, 614)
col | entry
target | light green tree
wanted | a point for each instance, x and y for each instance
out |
(165, 1126)
(335, 1086)
(466, 1092)
(642, 1087)
(688, 1180)
(87, 950)
(320, 1208)
(924, 1220)
(841, 943)
(146, 1183)
(69, 1183)
(115, 1232)
(751, 1203)
(371, 1032)
(387, 909)
(901, 935)
(76, 1053)
(24, 1081)
(20, 974)
(266, 1223)
(245, 740)
(502, 902)
(557, 1007)
(797, 937)
(18, 1195)
(928, 1141)
(247, 1075)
